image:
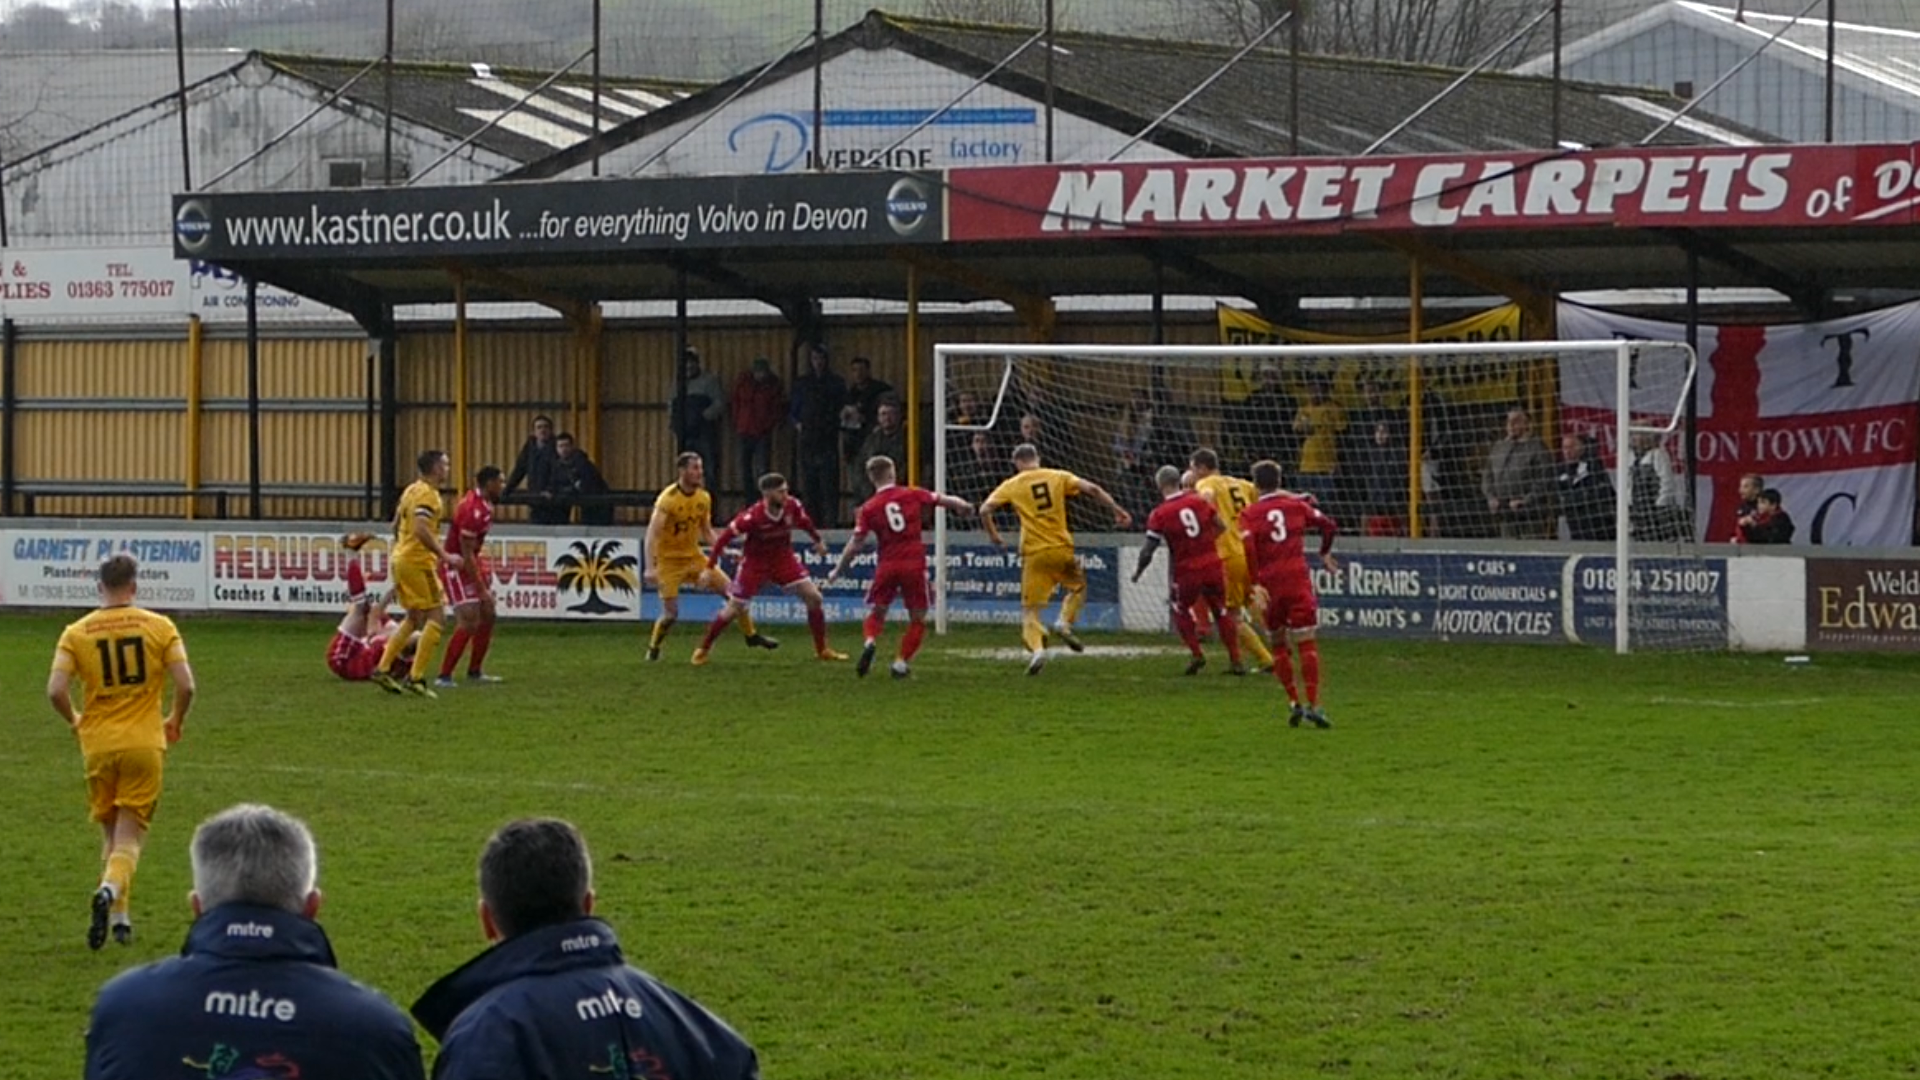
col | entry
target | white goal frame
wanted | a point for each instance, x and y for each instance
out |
(1624, 427)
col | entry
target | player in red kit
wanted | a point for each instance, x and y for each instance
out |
(767, 558)
(893, 516)
(354, 653)
(1189, 524)
(469, 588)
(1274, 529)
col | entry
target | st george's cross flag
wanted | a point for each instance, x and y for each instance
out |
(1827, 412)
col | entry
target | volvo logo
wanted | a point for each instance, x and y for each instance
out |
(908, 207)
(191, 228)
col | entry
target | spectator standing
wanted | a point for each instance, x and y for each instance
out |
(255, 992)
(1319, 423)
(1770, 523)
(1751, 485)
(818, 396)
(888, 439)
(535, 468)
(864, 395)
(554, 996)
(974, 476)
(1383, 481)
(579, 476)
(759, 404)
(1518, 479)
(1586, 492)
(698, 405)
(1655, 507)
(1260, 428)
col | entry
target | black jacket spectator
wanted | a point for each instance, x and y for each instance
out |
(1770, 523)
(1586, 492)
(818, 397)
(561, 1001)
(864, 394)
(575, 475)
(254, 993)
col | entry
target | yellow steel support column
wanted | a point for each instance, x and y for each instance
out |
(1035, 310)
(461, 429)
(1416, 434)
(196, 354)
(595, 349)
(913, 375)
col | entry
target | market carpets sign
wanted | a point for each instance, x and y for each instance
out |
(1863, 604)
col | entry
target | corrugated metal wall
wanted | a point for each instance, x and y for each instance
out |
(113, 411)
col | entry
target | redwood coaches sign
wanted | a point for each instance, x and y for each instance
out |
(1860, 604)
(1638, 187)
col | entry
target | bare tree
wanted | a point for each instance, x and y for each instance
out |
(998, 12)
(1453, 33)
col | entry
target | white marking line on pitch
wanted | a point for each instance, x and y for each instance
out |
(1102, 652)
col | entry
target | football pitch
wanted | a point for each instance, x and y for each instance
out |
(1501, 862)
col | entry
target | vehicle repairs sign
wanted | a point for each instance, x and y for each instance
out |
(606, 217)
(1443, 597)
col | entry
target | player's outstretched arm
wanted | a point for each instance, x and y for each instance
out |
(1146, 556)
(987, 509)
(719, 546)
(1120, 515)
(854, 543)
(956, 505)
(60, 694)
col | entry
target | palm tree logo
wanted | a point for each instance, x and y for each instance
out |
(589, 567)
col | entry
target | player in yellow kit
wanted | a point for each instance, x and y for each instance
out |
(678, 532)
(415, 561)
(119, 654)
(1230, 495)
(1039, 496)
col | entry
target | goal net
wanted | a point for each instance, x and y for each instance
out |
(1479, 487)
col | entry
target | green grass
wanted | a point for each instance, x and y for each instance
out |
(1502, 862)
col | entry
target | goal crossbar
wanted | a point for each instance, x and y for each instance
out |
(1624, 425)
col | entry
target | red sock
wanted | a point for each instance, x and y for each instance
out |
(1229, 634)
(910, 644)
(714, 630)
(455, 646)
(1189, 633)
(481, 642)
(356, 581)
(1283, 670)
(876, 621)
(817, 623)
(1310, 668)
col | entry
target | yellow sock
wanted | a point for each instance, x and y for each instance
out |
(396, 644)
(423, 656)
(660, 626)
(1250, 641)
(746, 624)
(1070, 607)
(1032, 634)
(119, 874)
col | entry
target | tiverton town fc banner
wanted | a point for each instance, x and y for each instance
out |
(1825, 411)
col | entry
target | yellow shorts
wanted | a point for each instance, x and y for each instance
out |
(124, 779)
(418, 588)
(1239, 584)
(1043, 571)
(677, 572)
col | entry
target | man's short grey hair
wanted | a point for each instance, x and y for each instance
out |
(253, 854)
(1168, 477)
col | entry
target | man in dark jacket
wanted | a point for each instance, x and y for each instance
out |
(575, 475)
(535, 468)
(255, 991)
(1770, 524)
(554, 997)
(818, 397)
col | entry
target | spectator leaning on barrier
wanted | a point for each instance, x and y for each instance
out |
(1770, 523)
(759, 404)
(579, 476)
(864, 395)
(818, 397)
(535, 468)
(1518, 479)
(697, 423)
(888, 439)
(1586, 492)
(554, 995)
(255, 992)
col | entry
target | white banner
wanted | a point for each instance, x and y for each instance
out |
(60, 567)
(219, 295)
(92, 283)
(532, 577)
(1826, 412)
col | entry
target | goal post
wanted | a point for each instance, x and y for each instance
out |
(1394, 439)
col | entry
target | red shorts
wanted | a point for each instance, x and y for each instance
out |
(754, 574)
(908, 583)
(355, 660)
(1290, 607)
(462, 590)
(1193, 586)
